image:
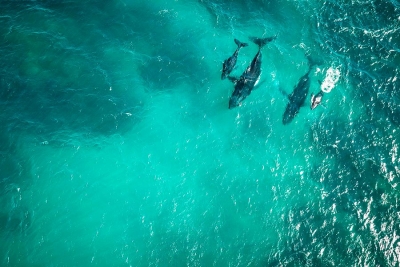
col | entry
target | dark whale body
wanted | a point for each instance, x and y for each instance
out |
(230, 63)
(298, 96)
(245, 84)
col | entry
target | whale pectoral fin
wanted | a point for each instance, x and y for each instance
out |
(233, 79)
(284, 93)
(258, 84)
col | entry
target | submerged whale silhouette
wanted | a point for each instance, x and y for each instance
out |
(230, 63)
(245, 84)
(298, 96)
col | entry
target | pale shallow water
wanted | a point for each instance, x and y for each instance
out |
(118, 147)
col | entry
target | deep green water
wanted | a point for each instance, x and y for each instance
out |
(118, 148)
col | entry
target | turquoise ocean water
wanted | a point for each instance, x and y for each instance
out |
(118, 148)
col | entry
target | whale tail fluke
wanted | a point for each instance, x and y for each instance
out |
(240, 44)
(262, 41)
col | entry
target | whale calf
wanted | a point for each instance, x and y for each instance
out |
(316, 99)
(245, 84)
(298, 96)
(230, 63)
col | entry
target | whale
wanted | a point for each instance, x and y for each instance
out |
(316, 99)
(245, 84)
(230, 63)
(298, 96)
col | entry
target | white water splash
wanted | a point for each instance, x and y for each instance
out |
(331, 78)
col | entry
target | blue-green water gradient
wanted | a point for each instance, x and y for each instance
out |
(117, 147)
